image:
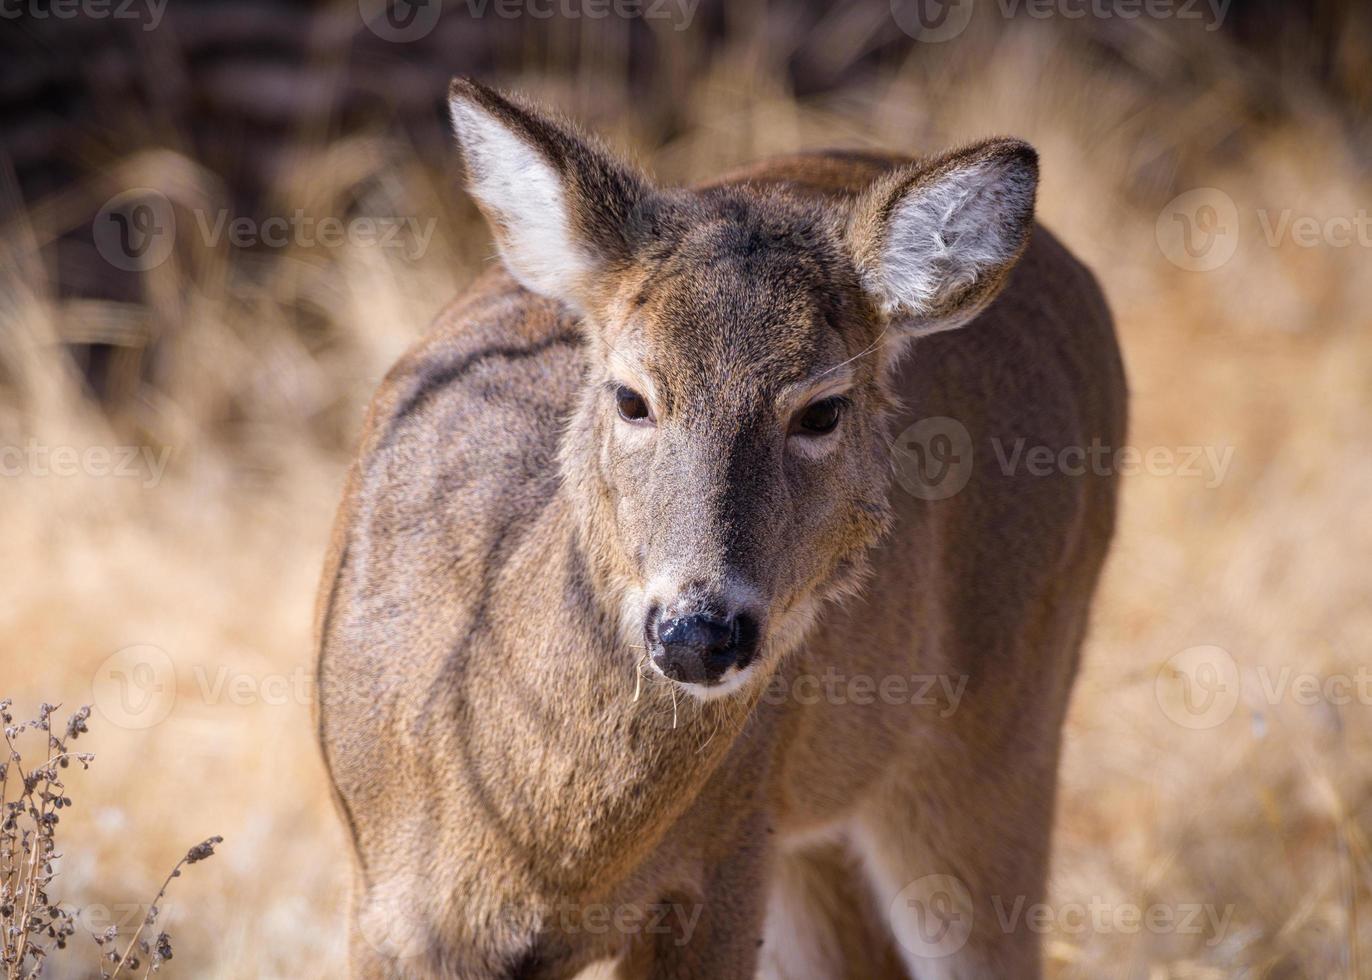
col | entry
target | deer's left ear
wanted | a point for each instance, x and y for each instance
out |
(563, 210)
(934, 241)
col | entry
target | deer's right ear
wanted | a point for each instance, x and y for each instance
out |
(562, 209)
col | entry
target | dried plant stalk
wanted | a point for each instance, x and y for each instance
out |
(34, 926)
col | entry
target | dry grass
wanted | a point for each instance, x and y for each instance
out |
(264, 371)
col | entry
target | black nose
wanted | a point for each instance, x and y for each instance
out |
(699, 648)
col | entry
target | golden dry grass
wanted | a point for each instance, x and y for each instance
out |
(1267, 811)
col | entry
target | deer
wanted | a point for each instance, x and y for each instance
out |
(635, 600)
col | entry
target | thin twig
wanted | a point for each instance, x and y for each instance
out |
(31, 886)
(147, 917)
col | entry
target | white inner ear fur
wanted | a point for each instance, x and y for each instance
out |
(946, 234)
(522, 193)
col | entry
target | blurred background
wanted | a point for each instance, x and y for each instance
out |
(221, 222)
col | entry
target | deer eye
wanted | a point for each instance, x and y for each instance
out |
(821, 418)
(632, 406)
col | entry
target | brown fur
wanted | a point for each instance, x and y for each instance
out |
(505, 762)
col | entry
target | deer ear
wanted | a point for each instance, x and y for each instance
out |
(561, 208)
(934, 241)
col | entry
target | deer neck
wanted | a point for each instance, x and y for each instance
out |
(608, 753)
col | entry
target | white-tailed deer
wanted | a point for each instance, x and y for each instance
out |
(632, 650)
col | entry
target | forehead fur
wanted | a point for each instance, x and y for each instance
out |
(755, 285)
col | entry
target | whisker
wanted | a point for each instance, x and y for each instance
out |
(862, 353)
(701, 748)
